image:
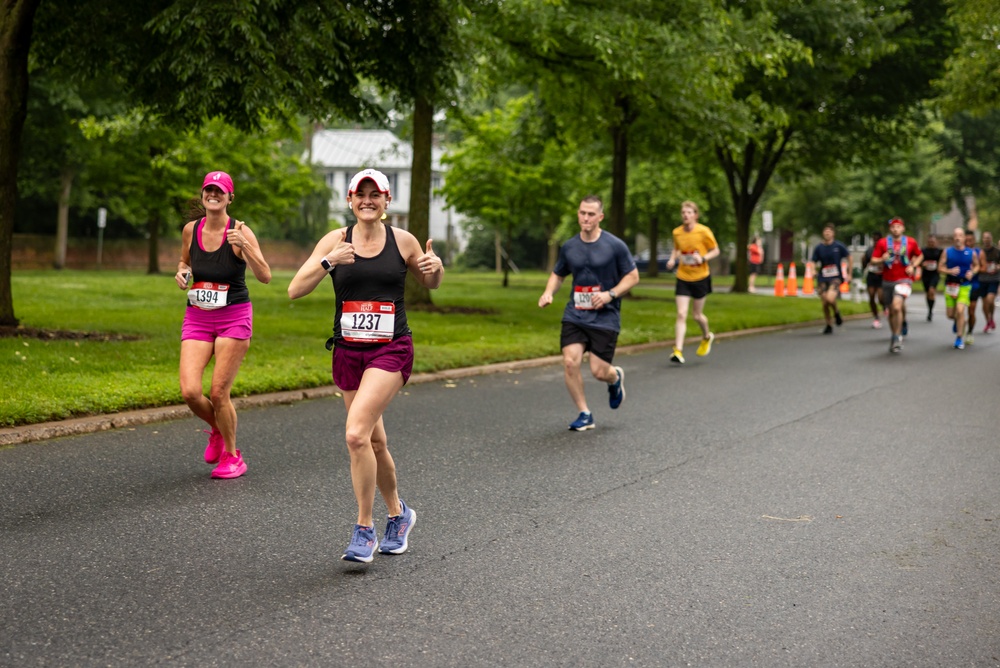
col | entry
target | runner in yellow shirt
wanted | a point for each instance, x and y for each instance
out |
(694, 246)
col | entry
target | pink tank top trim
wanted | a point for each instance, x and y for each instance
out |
(201, 225)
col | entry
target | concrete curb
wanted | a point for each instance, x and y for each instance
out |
(94, 423)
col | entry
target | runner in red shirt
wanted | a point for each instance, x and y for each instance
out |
(899, 256)
(755, 253)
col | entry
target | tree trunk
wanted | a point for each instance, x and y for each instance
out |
(619, 171)
(744, 211)
(553, 250)
(420, 190)
(155, 217)
(747, 180)
(62, 219)
(497, 250)
(16, 21)
(153, 227)
(505, 247)
(654, 240)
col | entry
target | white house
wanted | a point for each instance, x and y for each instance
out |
(340, 154)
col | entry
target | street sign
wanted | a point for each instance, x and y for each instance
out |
(768, 221)
(102, 222)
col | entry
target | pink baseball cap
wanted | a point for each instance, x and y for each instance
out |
(380, 179)
(220, 179)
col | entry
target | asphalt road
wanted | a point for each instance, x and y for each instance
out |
(791, 500)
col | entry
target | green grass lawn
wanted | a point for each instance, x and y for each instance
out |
(50, 380)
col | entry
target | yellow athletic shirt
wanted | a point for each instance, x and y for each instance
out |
(700, 239)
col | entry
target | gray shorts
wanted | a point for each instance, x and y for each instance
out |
(889, 290)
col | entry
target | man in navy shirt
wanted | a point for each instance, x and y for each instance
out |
(603, 270)
(826, 261)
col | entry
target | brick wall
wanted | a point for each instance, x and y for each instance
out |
(36, 251)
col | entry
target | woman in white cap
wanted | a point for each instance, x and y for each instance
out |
(373, 347)
(218, 321)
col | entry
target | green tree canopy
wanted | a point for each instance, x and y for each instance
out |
(868, 65)
(187, 61)
(515, 171)
(971, 141)
(145, 171)
(972, 81)
(416, 58)
(911, 182)
(620, 70)
(59, 150)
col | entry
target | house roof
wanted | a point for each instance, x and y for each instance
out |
(353, 149)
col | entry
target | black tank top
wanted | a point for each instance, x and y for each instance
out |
(219, 266)
(381, 278)
(932, 255)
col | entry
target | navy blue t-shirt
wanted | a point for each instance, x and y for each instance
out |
(828, 256)
(596, 266)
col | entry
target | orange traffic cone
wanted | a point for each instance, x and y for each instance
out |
(845, 285)
(807, 282)
(792, 288)
(779, 282)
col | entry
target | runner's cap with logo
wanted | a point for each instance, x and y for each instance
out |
(896, 220)
(220, 179)
(380, 179)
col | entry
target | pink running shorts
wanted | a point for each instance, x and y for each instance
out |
(232, 322)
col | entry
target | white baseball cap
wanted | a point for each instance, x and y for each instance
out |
(380, 179)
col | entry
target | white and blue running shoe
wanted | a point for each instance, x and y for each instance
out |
(583, 422)
(397, 531)
(363, 545)
(616, 390)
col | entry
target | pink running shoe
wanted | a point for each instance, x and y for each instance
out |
(230, 466)
(216, 444)
(876, 324)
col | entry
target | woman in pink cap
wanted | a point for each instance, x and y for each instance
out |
(218, 321)
(373, 354)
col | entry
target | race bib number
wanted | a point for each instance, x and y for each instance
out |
(903, 289)
(951, 289)
(690, 259)
(991, 268)
(875, 269)
(930, 266)
(582, 295)
(368, 322)
(208, 296)
(830, 271)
